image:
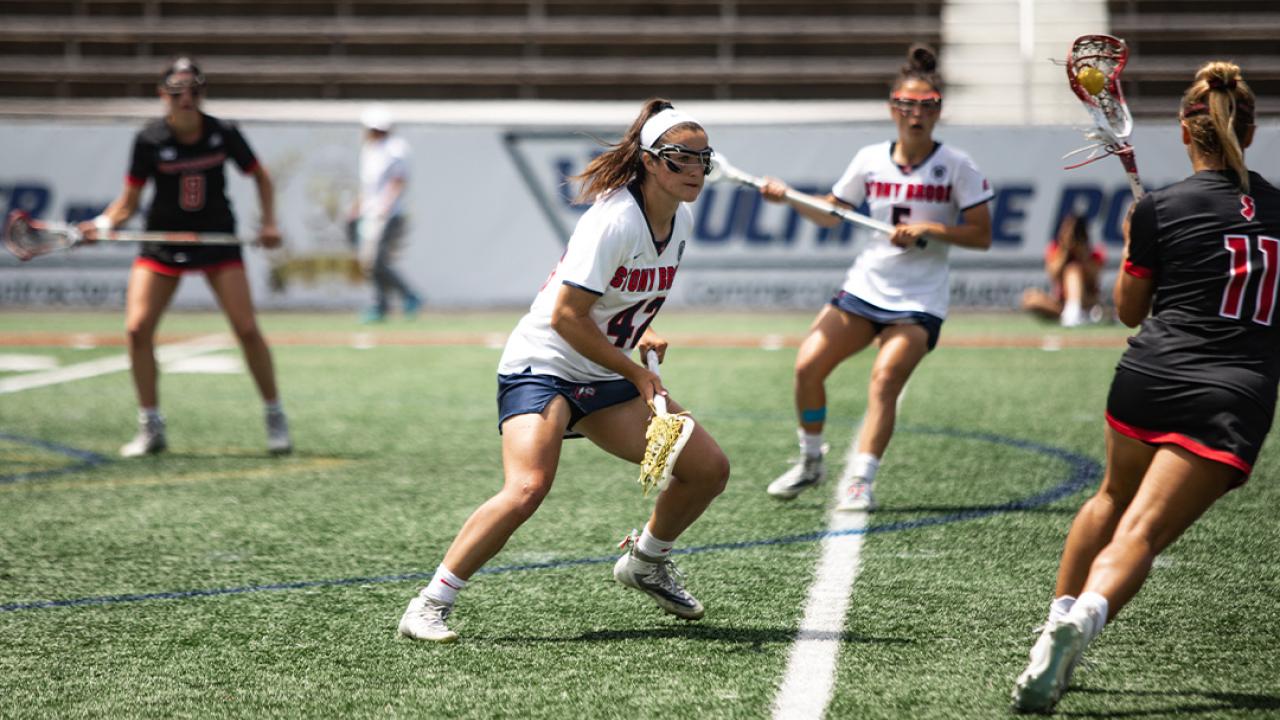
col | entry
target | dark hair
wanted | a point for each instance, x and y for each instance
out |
(1073, 231)
(622, 162)
(922, 64)
(183, 65)
(1217, 111)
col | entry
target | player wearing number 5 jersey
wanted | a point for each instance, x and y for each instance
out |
(1194, 395)
(567, 372)
(898, 288)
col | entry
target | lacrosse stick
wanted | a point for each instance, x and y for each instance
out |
(721, 169)
(1093, 69)
(665, 437)
(27, 237)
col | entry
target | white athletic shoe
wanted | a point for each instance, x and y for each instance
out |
(278, 440)
(149, 440)
(857, 497)
(659, 580)
(806, 473)
(1053, 659)
(424, 620)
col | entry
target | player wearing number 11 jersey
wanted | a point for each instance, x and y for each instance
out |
(567, 369)
(1194, 395)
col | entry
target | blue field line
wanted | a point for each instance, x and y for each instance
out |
(1084, 471)
(86, 459)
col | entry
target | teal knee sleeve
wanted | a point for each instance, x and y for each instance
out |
(813, 416)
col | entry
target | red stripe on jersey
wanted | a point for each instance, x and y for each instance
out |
(1167, 438)
(252, 168)
(132, 181)
(1137, 270)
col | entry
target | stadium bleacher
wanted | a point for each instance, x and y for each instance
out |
(448, 49)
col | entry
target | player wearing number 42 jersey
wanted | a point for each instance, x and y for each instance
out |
(1194, 395)
(566, 371)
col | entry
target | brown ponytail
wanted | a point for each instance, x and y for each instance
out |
(1217, 111)
(621, 163)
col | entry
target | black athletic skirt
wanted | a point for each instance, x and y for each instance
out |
(1208, 420)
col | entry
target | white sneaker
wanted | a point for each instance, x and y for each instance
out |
(857, 497)
(424, 620)
(149, 440)
(1053, 660)
(806, 473)
(278, 440)
(659, 580)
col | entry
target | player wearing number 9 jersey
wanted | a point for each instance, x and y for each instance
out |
(1194, 395)
(567, 371)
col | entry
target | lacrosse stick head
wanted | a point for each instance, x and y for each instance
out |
(1094, 65)
(23, 239)
(664, 440)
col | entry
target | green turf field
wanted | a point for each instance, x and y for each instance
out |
(215, 581)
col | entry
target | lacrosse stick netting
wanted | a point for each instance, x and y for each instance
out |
(26, 241)
(1112, 123)
(664, 438)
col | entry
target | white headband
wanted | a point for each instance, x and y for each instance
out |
(657, 125)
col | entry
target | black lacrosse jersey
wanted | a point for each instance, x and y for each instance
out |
(190, 185)
(1214, 255)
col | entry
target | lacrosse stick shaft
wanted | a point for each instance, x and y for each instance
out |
(659, 402)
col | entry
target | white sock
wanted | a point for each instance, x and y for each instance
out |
(273, 407)
(149, 415)
(1091, 608)
(1072, 313)
(865, 466)
(444, 586)
(810, 443)
(651, 547)
(1059, 608)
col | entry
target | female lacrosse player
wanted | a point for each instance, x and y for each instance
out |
(1194, 395)
(566, 371)
(183, 153)
(897, 289)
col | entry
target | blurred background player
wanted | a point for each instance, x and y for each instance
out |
(897, 289)
(1074, 268)
(1194, 395)
(183, 153)
(378, 220)
(566, 371)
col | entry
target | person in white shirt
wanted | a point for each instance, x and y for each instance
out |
(378, 219)
(566, 370)
(897, 289)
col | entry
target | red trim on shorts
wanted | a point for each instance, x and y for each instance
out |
(249, 170)
(1137, 270)
(160, 268)
(1182, 441)
(132, 181)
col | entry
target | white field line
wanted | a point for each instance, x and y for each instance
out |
(809, 680)
(118, 363)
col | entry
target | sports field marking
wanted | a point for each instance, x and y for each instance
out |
(272, 470)
(103, 366)
(1082, 472)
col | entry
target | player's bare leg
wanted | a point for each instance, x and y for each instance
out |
(700, 474)
(148, 295)
(902, 347)
(231, 287)
(834, 336)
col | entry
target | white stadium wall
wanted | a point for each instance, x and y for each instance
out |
(489, 214)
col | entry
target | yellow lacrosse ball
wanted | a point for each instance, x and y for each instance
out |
(1091, 79)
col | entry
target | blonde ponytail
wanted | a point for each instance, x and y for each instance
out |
(1218, 112)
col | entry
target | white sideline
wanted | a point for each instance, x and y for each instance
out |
(102, 366)
(809, 680)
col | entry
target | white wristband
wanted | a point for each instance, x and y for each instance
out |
(103, 224)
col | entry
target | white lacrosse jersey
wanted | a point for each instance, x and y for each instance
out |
(612, 254)
(382, 161)
(937, 190)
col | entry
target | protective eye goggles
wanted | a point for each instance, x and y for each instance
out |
(908, 104)
(176, 86)
(680, 158)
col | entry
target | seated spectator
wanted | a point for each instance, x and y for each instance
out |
(1074, 268)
